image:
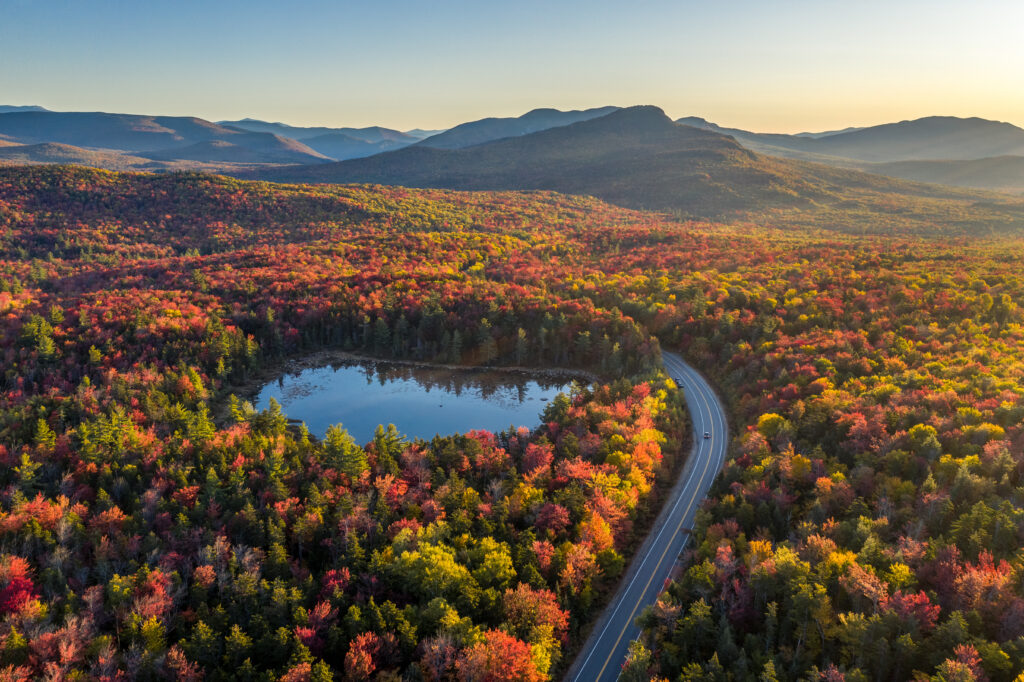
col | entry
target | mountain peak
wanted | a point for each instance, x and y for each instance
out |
(541, 112)
(636, 156)
(632, 119)
(489, 129)
(11, 108)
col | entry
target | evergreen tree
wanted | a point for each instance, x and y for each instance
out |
(343, 453)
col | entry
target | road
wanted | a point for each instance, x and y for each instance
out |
(604, 653)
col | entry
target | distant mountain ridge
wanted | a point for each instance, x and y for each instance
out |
(120, 140)
(423, 134)
(930, 138)
(595, 157)
(243, 148)
(10, 109)
(635, 157)
(1000, 173)
(157, 137)
(925, 149)
(960, 152)
(368, 134)
(829, 133)
(58, 153)
(488, 129)
(169, 138)
(350, 143)
(106, 138)
(125, 132)
(335, 143)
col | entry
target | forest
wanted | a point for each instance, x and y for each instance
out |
(868, 524)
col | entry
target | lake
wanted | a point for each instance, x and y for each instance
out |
(420, 401)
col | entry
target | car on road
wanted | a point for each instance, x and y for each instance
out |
(707, 434)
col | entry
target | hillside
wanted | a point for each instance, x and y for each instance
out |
(335, 143)
(372, 134)
(54, 152)
(263, 148)
(103, 140)
(422, 134)
(829, 133)
(125, 132)
(639, 158)
(342, 146)
(487, 129)
(1000, 173)
(8, 108)
(49, 153)
(377, 134)
(634, 157)
(931, 138)
(973, 153)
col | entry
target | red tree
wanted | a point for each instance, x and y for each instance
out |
(499, 658)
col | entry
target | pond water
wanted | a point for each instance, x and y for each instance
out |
(420, 401)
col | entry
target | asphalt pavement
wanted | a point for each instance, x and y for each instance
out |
(602, 656)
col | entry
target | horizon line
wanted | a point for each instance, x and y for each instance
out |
(795, 131)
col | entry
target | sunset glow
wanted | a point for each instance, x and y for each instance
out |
(773, 67)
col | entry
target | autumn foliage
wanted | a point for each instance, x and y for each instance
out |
(145, 537)
(867, 525)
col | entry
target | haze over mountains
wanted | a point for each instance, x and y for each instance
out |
(488, 129)
(337, 143)
(9, 109)
(964, 152)
(144, 142)
(636, 156)
(130, 141)
(352, 143)
(999, 173)
(125, 132)
(126, 141)
(931, 138)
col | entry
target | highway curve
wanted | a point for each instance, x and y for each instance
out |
(604, 653)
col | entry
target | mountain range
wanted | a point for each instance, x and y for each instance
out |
(28, 134)
(141, 142)
(352, 143)
(149, 142)
(488, 129)
(963, 152)
(931, 138)
(999, 173)
(125, 141)
(10, 109)
(635, 156)
(337, 143)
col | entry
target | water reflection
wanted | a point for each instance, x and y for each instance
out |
(420, 401)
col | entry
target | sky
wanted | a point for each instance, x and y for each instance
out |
(779, 66)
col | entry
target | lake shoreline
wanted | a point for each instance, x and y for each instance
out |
(329, 357)
(469, 376)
